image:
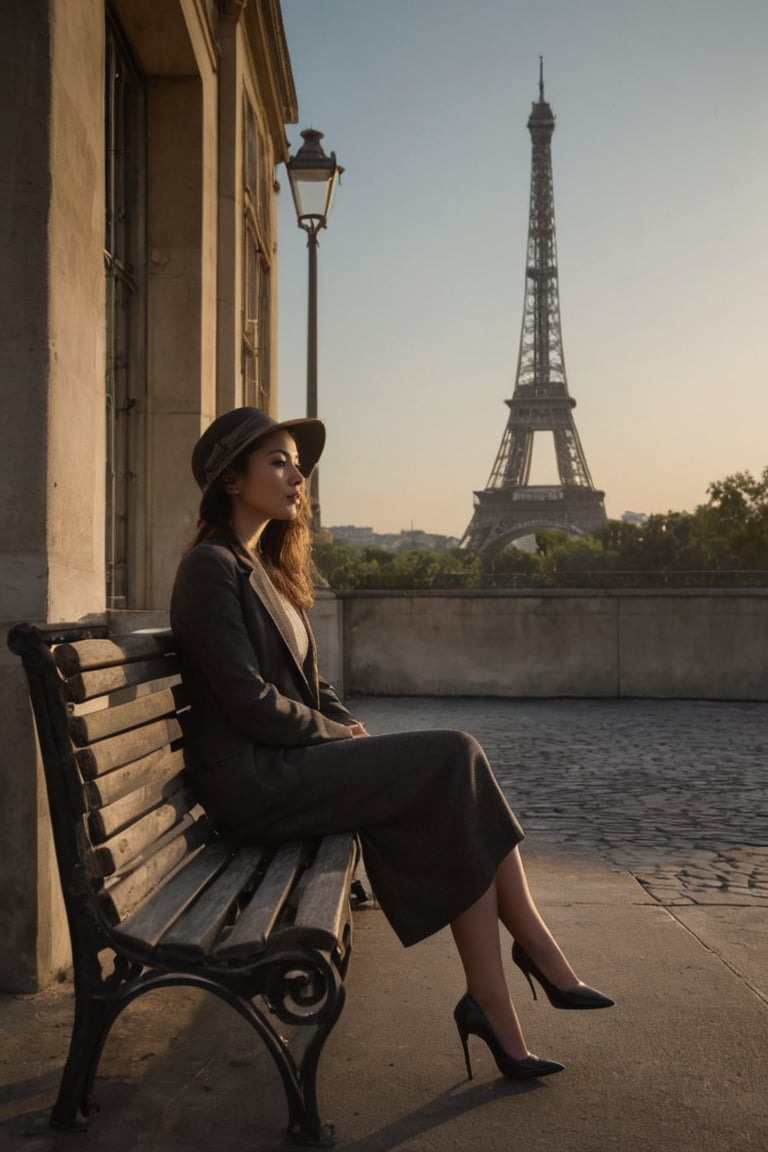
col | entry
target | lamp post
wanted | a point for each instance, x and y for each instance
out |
(313, 177)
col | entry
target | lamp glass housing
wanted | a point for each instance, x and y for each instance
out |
(313, 177)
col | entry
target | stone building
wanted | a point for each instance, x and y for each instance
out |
(138, 293)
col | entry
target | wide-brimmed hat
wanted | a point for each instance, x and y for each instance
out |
(229, 434)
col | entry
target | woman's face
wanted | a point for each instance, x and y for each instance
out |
(271, 486)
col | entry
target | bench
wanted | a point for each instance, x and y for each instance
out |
(150, 885)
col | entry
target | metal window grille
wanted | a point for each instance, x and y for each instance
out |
(124, 263)
(257, 281)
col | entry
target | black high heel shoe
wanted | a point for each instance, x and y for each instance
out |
(580, 996)
(472, 1021)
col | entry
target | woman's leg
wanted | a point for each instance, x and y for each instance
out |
(476, 932)
(522, 919)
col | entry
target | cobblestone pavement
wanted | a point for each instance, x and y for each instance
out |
(673, 791)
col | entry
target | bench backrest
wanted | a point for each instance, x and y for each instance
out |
(142, 870)
(108, 721)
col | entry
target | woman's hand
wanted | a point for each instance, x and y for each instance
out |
(358, 729)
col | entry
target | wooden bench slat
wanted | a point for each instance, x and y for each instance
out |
(161, 910)
(101, 681)
(80, 656)
(95, 759)
(257, 920)
(325, 896)
(92, 726)
(127, 847)
(126, 894)
(193, 935)
(129, 809)
(158, 766)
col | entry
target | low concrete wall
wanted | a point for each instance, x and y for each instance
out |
(327, 624)
(709, 645)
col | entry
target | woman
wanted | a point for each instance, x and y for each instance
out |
(274, 754)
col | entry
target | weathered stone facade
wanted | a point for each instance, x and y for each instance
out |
(138, 295)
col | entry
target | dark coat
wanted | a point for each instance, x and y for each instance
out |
(252, 696)
(271, 757)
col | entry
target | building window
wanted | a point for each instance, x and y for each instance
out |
(125, 135)
(257, 282)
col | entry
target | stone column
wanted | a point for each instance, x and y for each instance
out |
(181, 338)
(52, 416)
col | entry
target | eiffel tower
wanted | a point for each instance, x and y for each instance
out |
(510, 507)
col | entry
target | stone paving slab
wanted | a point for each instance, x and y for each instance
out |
(733, 876)
(739, 938)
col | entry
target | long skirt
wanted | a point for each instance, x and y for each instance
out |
(431, 818)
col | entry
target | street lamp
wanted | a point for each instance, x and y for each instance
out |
(313, 177)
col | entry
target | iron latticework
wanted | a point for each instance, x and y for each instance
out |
(510, 506)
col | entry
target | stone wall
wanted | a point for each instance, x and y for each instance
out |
(710, 645)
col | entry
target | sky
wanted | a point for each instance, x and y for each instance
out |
(660, 163)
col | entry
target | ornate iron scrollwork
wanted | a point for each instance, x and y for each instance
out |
(301, 988)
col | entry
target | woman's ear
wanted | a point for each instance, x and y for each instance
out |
(230, 483)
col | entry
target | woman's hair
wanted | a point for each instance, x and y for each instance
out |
(285, 546)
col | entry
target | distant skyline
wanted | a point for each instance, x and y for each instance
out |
(661, 180)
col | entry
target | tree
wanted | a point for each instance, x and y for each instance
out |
(346, 566)
(736, 518)
(740, 498)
